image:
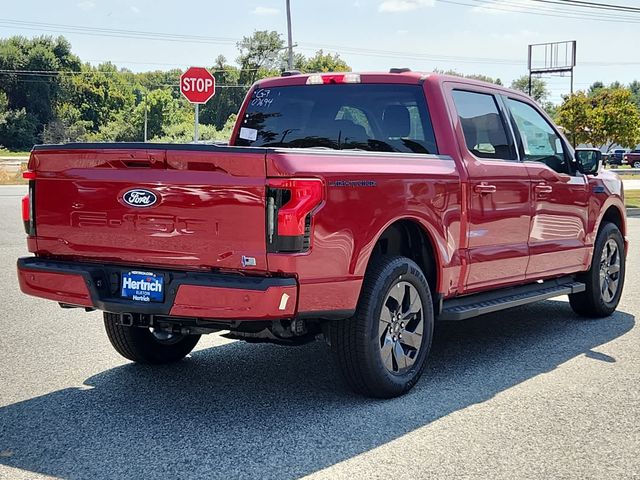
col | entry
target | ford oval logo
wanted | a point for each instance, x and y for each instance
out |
(139, 197)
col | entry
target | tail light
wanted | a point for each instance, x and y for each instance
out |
(28, 205)
(291, 203)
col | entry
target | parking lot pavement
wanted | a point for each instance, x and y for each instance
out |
(530, 393)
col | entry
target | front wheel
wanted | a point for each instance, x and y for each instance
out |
(382, 350)
(605, 279)
(142, 345)
(636, 164)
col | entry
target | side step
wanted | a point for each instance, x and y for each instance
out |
(480, 303)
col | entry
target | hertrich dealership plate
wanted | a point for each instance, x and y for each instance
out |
(142, 286)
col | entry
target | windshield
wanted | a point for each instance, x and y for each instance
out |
(373, 117)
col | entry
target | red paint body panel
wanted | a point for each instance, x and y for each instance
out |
(558, 233)
(227, 303)
(60, 287)
(212, 206)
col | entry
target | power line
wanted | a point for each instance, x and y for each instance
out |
(554, 11)
(544, 12)
(592, 5)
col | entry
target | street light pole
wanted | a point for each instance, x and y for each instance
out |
(290, 40)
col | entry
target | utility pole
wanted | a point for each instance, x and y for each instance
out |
(290, 39)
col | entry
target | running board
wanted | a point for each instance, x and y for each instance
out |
(480, 303)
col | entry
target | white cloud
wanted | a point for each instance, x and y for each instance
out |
(134, 9)
(404, 5)
(402, 32)
(87, 4)
(265, 11)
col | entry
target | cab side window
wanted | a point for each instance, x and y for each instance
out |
(540, 142)
(484, 130)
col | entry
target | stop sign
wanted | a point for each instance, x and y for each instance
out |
(197, 85)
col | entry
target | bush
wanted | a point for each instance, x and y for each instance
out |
(17, 130)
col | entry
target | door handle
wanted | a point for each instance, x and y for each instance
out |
(484, 189)
(542, 188)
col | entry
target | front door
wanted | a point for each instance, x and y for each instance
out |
(557, 234)
(498, 196)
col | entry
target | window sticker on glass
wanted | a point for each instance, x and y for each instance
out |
(248, 133)
(537, 139)
(261, 98)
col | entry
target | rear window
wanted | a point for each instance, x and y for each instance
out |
(372, 117)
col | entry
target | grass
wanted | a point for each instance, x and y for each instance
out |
(632, 198)
(7, 153)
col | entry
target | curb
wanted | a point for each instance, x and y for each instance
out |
(633, 212)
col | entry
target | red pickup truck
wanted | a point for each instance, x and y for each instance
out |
(357, 207)
(632, 158)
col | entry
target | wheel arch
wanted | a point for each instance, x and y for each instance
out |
(409, 237)
(613, 214)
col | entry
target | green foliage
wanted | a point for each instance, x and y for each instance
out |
(37, 92)
(474, 76)
(228, 97)
(574, 115)
(634, 88)
(259, 55)
(321, 62)
(616, 118)
(539, 91)
(604, 117)
(17, 129)
(594, 88)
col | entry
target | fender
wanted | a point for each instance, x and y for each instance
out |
(446, 258)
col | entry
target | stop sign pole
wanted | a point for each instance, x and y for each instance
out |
(198, 86)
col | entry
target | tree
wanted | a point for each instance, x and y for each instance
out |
(607, 117)
(634, 87)
(31, 98)
(575, 117)
(474, 76)
(595, 87)
(615, 118)
(37, 92)
(17, 129)
(259, 55)
(228, 97)
(98, 94)
(321, 62)
(539, 91)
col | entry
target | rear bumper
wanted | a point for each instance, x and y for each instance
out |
(187, 294)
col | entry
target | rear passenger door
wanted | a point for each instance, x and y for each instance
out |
(557, 236)
(498, 197)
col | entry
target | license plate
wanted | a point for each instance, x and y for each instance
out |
(142, 286)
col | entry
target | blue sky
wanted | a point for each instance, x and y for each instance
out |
(369, 34)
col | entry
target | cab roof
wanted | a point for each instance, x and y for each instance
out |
(403, 77)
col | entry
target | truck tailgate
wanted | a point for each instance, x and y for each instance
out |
(190, 206)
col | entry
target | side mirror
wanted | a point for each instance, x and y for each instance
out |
(588, 160)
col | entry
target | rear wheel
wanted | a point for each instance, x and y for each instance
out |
(605, 278)
(382, 350)
(142, 345)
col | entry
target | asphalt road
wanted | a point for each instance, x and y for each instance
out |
(531, 393)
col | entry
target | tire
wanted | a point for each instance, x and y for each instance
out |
(605, 278)
(143, 346)
(373, 356)
(636, 164)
